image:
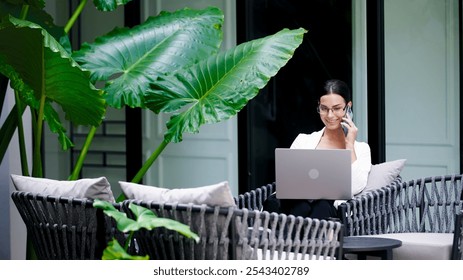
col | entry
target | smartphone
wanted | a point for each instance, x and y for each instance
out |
(349, 115)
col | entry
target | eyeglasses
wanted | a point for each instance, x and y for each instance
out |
(323, 110)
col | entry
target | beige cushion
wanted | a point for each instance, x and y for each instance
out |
(421, 245)
(212, 195)
(83, 188)
(383, 174)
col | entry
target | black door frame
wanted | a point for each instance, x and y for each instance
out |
(375, 82)
(460, 46)
(133, 116)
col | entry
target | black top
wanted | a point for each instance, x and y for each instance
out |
(356, 243)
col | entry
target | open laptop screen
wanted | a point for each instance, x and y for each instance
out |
(313, 174)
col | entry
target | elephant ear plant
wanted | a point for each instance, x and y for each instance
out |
(197, 85)
(168, 64)
(171, 63)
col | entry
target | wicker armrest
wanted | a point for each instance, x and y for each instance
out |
(275, 236)
(211, 224)
(422, 205)
(65, 228)
(233, 233)
(457, 250)
(254, 199)
(424, 214)
(367, 213)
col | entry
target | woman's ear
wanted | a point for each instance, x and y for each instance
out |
(349, 104)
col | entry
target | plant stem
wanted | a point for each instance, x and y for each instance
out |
(83, 154)
(145, 167)
(149, 162)
(128, 241)
(22, 142)
(75, 16)
(80, 161)
(30, 252)
(24, 11)
(37, 158)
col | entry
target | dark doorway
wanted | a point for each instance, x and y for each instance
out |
(287, 105)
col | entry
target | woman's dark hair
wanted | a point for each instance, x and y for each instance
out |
(338, 87)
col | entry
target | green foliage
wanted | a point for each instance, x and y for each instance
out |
(39, 67)
(128, 64)
(170, 63)
(217, 88)
(145, 219)
(114, 251)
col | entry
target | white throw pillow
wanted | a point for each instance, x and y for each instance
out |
(82, 188)
(213, 195)
(383, 174)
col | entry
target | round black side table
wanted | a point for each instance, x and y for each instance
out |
(370, 246)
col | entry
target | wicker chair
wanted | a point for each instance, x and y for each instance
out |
(254, 199)
(457, 252)
(62, 228)
(232, 233)
(423, 213)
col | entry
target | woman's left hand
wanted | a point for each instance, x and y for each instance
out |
(351, 136)
(351, 131)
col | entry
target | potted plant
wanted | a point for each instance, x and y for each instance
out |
(171, 63)
(192, 80)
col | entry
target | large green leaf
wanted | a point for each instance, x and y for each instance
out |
(145, 219)
(40, 17)
(218, 88)
(38, 66)
(55, 126)
(129, 59)
(34, 14)
(120, 217)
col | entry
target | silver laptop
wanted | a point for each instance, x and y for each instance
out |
(313, 174)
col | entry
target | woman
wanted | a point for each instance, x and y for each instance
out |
(333, 107)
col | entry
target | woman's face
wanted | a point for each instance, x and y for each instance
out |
(332, 110)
